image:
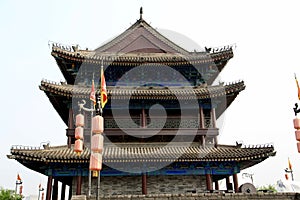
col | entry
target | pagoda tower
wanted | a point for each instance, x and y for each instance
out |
(160, 128)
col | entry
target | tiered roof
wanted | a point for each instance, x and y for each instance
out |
(150, 152)
(140, 44)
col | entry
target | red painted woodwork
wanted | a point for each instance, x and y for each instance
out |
(235, 183)
(49, 188)
(78, 185)
(208, 182)
(144, 184)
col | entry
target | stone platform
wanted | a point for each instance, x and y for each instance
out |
(202, 196)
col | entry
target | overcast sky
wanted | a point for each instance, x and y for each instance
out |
(266, 34)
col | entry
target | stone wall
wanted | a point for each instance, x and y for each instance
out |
(133, 185)
(204, 196)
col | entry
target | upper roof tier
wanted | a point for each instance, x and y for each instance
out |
(139, 45)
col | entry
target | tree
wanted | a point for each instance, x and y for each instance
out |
(6, 194)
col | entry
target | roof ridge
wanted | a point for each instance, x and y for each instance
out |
(151, 30)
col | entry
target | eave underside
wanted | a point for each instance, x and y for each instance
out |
(61, 95)
(136, 154)
(210, 65)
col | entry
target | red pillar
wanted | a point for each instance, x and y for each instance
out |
(144, 184)
(63, 191)
(49, 188)
(235, 183)
(78, 185)
(208, 182)
(55, 190)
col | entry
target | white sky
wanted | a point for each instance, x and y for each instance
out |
(266, 33)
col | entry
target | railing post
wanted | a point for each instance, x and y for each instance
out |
(143, 118)
(214, 124)
(201, 125)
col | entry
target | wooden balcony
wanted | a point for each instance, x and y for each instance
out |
(171, 126)
(140, 132)
(154, 131)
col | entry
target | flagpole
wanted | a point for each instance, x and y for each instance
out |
(100, 107)
(91, 134)
(289, 169)
(18, 182)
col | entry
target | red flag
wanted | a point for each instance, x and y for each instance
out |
(92, 94)
(290, 165)
(297, 87)
(103, 89)
(18, 178)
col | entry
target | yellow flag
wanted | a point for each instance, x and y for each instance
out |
(290, 165)
(297, 87)
(103, 89)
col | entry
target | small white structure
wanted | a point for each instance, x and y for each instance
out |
(31, 197)
(287, 186)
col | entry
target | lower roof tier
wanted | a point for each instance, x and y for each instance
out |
(148, 152)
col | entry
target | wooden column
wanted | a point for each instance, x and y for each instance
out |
(49, 188)
(55, 190)
(201, 117)
(235, 183)
(144, 183)
(70, 126)
(78, 185)
(216, 185)
(201, 125)
(143, 119)
(228, 184)
(70, 192)
(213, 117)
(63, 191)
(208, 182)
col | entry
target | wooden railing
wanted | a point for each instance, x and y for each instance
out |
(159, 126)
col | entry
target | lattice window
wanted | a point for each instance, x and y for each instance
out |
(122, 123)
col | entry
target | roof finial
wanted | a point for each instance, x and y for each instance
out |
(141, 13)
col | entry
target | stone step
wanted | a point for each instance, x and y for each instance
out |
(78, 197)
